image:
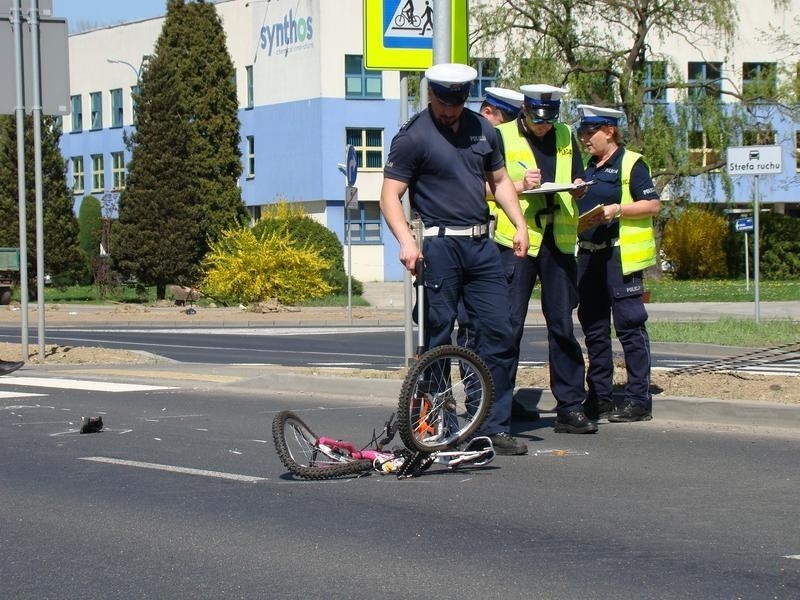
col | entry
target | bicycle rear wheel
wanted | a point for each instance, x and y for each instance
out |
(444, 399)
(299, 450)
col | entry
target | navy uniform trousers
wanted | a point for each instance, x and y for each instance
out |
(604, 291)
(462, 266)
(558, 275)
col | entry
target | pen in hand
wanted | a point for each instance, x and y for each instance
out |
(522, 164)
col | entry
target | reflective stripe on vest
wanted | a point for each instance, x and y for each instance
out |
(565, 218)
(637, 242)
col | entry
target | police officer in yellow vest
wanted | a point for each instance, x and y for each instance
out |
(541, 150)
(612, 253)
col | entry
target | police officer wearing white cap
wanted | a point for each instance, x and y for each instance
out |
(499, 106)
(539, 149)
(612, 254)
(444, 156)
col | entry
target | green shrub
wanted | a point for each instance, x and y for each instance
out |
(244, 268)
(779, 248)
(291, 222)
(694, 244)
(90, 223)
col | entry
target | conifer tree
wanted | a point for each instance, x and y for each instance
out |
(182, 188)
(62, 257)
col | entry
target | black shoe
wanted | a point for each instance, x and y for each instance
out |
(8, 366)
(597, 409)
(630, 412)
(506, 445)
(574, 422)
(520, 411)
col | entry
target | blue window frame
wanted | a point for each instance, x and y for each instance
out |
(96, 101)
(365, 224)
(655, 78)
(488, 69)
(707, 77)
(759, 81)
(134, 93)
(359, 82)
(249, 71)
(77, 113)
(116, 107)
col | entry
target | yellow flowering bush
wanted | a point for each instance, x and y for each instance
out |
(242, 267)
(694, 242)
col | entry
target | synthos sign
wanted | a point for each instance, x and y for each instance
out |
(291, 34)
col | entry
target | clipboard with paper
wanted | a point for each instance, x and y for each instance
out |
(590, 218)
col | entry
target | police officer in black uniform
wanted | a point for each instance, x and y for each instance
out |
(444, 156)
(613, 250)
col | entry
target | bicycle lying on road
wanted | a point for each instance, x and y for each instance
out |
(309, 456)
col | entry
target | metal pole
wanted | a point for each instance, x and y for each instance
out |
(756, 211)
(37, 159)
(349, 255)
(746, 264)
(442, 28)
(16, 20)
(408, 300)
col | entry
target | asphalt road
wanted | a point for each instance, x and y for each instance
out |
(368, 347)
(650, 510)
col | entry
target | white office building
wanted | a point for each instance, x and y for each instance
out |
(304, 95)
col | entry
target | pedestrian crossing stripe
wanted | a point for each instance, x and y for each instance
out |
(77, 384)
(7, 395)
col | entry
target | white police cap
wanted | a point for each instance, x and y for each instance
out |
(598, 115)
(451, 82)
(541, 94)
(504, 99)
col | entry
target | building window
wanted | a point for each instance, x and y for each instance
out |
(116, 107)
(251, 157)
(118, 170)
(365, 224)
(369, 147)
(760, 135)
(97, 111)
(77, 114)
(249, 71)
(77, 175)
(358, 82)
(58, 124)
(706, 77)
(759, 81)
(134, 93)
(797, 150)
(655, 79)
(98, 174)
(701, 154)
(488, 69)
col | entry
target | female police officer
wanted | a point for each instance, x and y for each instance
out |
(443, 156)
(612, 253)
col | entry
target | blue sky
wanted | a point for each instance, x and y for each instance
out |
(87, 14)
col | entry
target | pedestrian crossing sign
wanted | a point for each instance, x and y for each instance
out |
(398, 34)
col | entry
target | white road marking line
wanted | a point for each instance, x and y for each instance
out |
(174, 469)
(19, 394)
(169, 417)
(250, 331)
(793, 556)
(78, 384)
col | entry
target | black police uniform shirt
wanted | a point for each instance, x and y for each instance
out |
(445, 170)
(544, 151)
(607, 189)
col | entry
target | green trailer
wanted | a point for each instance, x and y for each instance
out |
(9, 272)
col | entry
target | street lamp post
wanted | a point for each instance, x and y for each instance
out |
(115, 61)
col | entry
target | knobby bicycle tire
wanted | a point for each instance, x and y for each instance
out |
(297, 447)
(444, 399)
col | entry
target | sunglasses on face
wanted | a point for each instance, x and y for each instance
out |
(542, 120)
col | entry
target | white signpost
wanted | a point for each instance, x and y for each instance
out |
(350, 201)
(755, 160)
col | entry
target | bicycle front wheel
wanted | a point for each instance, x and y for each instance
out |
(300, 451)
(444, 399)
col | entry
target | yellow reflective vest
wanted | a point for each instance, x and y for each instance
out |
(637, 242)
(565, 218)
